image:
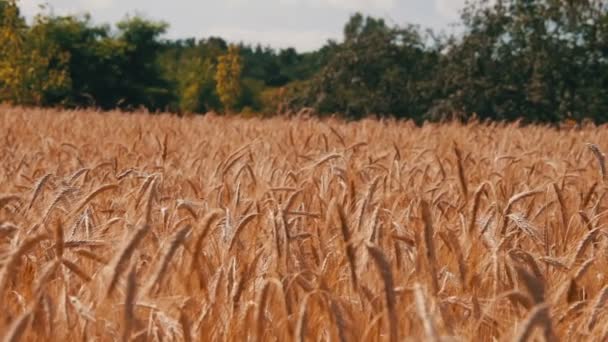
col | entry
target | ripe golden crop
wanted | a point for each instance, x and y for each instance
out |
(154, 227)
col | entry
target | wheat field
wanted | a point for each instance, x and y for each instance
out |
(141, 227)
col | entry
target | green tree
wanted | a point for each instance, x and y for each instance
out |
(378, 69)
(88, 65)
(142, 82)
(32, 68)
(190, 67)
(228, 77)
(96, 61)
(197, 87)
(542, 59)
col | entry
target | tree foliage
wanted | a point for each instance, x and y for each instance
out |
(32, 68)
(69, 61)
(228, 77)
(378, 69)
(543, 60)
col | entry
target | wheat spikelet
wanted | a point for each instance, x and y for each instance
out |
(120, 262)
(539, 316)
(430, 245)
(230, 164)
(61, 196)
(159, 274)
(291, 200)
(185, 323)
(533, 284)
(584, 243)
(206, 223)
(582, 270)
(125, 174)
(229, 159)
(130, 299)
(8, 271)
(188, 206)
(70, 244)
(557, 263)
(144, 186)
(562, 205)
(59, 242)
(92, 256)
(338, 135)
(46, 273)
(475, 208)
(518, 297)
(424, 314)
(599, 304)
(366, 200)
(76, 269)
(261, 305)
(165, 147)
(82, 310)
(339, 320)
(387, 277)
(527, 227)
(96, 192)
(525, 258)
(587, 198)
(572, 309)
(601, 160)
(38, 189)
(374, 224)
(7, 229)
(300, 330)
(6, 199)
(451, 241)
(239, 228)
(17, 329)
(348, 245)
(461, 176)
(512, 201)
(325, 159)
(80, 172)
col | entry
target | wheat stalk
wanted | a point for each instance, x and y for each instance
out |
(424, 314)
(601, 160)
(160, 273)
(387, 277)
(430, 245)
(120, 262)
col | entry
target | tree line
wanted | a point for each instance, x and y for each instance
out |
(536, 60)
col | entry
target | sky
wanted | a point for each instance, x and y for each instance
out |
(303, 24)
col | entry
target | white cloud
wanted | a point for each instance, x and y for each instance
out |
(96, 4)
(340, 4)
(32, 7)
(306, 24)
(301, 40)
(355, 4)
(449, 8)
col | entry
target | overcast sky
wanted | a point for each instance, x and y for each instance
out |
(304, 24)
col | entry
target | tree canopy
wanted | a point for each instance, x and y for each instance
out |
(540, 60)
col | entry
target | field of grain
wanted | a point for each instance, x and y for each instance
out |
(153, 227)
